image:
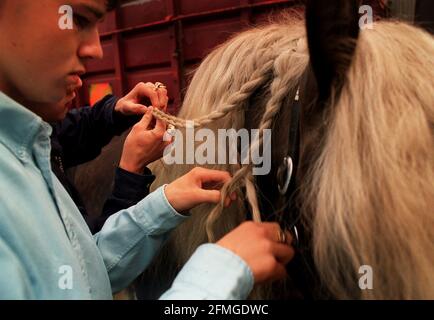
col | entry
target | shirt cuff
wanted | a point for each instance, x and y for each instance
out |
(156, 213)
(213, 273)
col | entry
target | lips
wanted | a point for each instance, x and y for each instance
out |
(75, 81)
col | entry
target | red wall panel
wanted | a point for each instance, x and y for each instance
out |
(160, 40)
(146, 12)
(106, 63)
(195, 6)
(147, 49)
(200, 38)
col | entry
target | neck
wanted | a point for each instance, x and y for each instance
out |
(11, 91)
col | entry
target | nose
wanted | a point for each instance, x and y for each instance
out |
(90, 47)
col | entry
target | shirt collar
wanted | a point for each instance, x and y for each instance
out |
(19, 127)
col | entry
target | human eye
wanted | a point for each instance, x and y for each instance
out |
(81, 21)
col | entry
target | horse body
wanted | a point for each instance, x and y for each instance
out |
(358, 176)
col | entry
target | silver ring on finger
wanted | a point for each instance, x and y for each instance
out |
(281, 236)
(159, 85)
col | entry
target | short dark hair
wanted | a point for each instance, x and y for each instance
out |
(112, 4)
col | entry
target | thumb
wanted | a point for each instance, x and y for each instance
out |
(160, 126)
(147, 118)
(137, 109)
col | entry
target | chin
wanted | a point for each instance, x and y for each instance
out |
(62, 114)
(56, 115)
(62, 109)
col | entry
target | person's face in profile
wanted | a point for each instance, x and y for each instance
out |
(40, 60)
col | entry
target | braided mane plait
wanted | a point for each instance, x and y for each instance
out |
(285, 67)
(234, 102)
(284, 82)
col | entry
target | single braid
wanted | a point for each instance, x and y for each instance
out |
(235, 101)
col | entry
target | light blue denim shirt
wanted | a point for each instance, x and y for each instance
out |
(48, 252)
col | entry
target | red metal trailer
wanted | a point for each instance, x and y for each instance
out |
(163, 40)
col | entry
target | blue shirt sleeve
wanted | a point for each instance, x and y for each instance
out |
(130, 238)
(14, 281)
(212, 273)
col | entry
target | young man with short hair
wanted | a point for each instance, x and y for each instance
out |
(46, 249)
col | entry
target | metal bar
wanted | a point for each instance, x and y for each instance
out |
(246, 14)
(404, 10)
(176, 59)
(179, 56)
(119, 57)
(170, 19)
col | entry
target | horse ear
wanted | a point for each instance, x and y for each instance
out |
(332, 31)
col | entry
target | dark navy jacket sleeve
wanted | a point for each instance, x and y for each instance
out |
(79, 138)
(129, 189)
(85, 131)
